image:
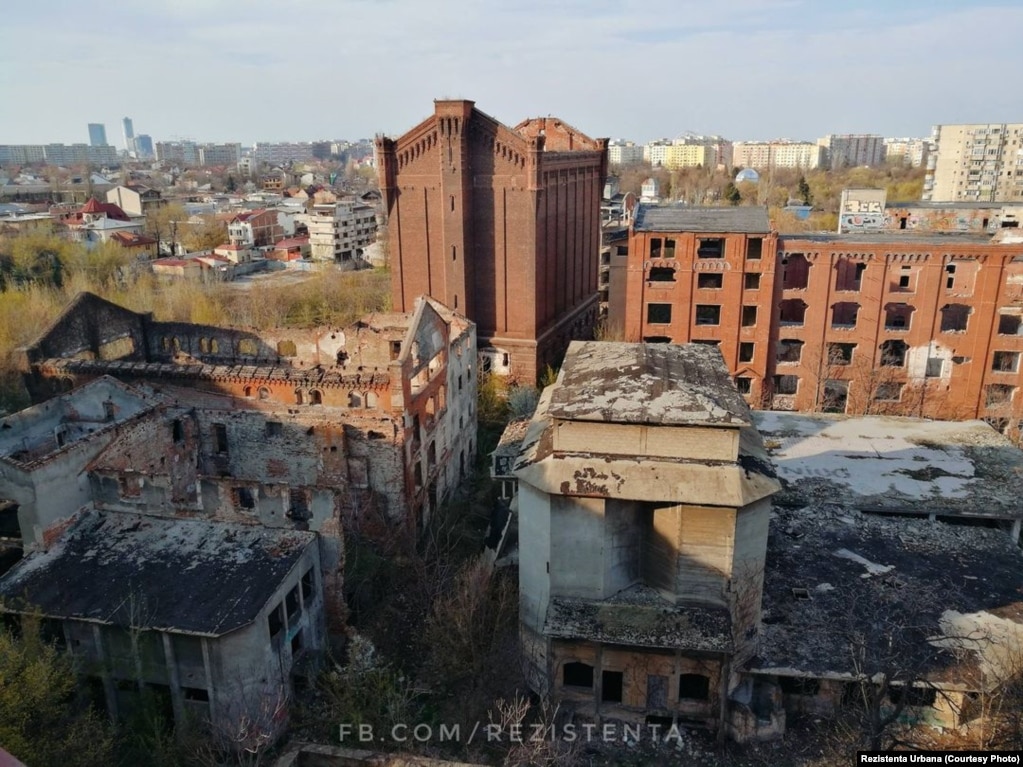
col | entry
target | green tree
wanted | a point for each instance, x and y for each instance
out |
(804, 191)
(732, 194)
(42, 721)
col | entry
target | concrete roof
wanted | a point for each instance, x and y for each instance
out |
(896, 465)
(929, 600)
(951, 205)
(947, 239)
(662, 384)
(679, 218)
(182, 575)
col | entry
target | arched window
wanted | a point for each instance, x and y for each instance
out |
(299, 396)
(248, 391)
(355, 399)
(264, 393)
(315, 397)
(371, 399)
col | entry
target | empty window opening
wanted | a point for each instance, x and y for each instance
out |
(177, 430)
(710, 247)
(903, 221)
(354, 399)
(1005, 362)
(298, 506)
(843, 314)
(292, 604)
(248, 391)
(454, 253)
(786, 384)
(955, 318)
(693, 687)
(287, 349)
(898, 316)
(836, 395)
(797, 686)
(1010, 325)
(308, 583)
(789, 350)
(576, 674)
(935, 367)
(264, 393)
(220, 438)
(749, 316)
(800, 593)
(658, 314)
(655, 247)
(889, 391)
(657, 339)
(912, 696)
(744, 384)
(708, 281)
(999, 394)
(274, 429)
(196, 694)
(243, 498)
(611, 683)
(849, 274)
(395, 349)
(893, 353)
(661, 274)
(315, 397)
(840, 354)
(746, 352)
(669, 248)
(275, 621)
(247, 348)
(903, 283)
(296, 643)
(793, 312)
(754, 248)
(752, 281)
(708, 314)
(796, 272)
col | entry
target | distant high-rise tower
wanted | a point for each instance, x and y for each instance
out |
(129, 135)
(97, 134)
(144, 145)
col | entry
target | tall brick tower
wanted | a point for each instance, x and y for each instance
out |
(501, 224)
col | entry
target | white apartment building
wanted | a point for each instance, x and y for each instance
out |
(977, 162)
(276, 154)
(621, 152)
(764, 155)
(908, 151)
(340, 231)
(851, 150)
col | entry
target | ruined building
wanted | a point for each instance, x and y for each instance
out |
(669, 572)
(499, 223)
(925, 324)
(164, 452)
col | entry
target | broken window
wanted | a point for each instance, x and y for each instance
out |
(840, 354)
(786, 384)
(611, 683)
(354, 399)
(292, 604)
(396, 349)
(1010, 324)
(710, 281)
(903, 281)
(576, 674)
(195, 694)
(298, 506)
(935, 366)
(955, 318)
(752, 281)
(898, 316)
(315, 397)
(264, 392)
(789, 350)
(308, 584)
(746, 352)
(999, 394)
(843, 314)
(662, 274)
(893, 353)
(849, 274)
(912, 696)
(708, 314)
(287, 349)
(693, 687)
(177, 430)
(297, 643)
(710, 247)
(749, 316)
(796, 272)
(744, 384)
(1005, 362)
(274, 429)
(836, 394)
(799, 686)
(275, 621)
(243, 498)
(754, 248)
(658, 314)
(669, 248)
(889, 391)
(220, 438)
(793, 312)
(655, 247)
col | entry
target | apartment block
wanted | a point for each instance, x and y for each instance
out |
(621, 152)
(849, 150)
(980, 162)
(340, 231)
(764, 155)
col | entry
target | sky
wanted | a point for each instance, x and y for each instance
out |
(300, 70)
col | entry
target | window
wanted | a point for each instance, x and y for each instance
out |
(196, 694)
(752, 281)
(274, 429)
(836, 394)
(710, 247)
(849, 274)
(220, 438)
(935, 365)
(308, 585)
(1010, 324)
(912, 696)
(287, 349)
(789, 350)
(840, 354)
(786, 384)
(749, 316)
(693, 687)
(315, 397)
(999, 394)
(793, 312)
(796, 272)
(292, 604)
(177, 430)
(243, 498)
(655, 247)
(669, 248)
(662, 274)
(893, 353)
(744, 384)
(754, 248)
(708, 314)
(264, 393)
(746, 352)
(576, 674)
(888, 392)
(843, 314)
(708, 281)
(611, 686)
(955, 318)
(1005, 362)
(898, 316)
(798, 686)
(275, 621)
(658, 314)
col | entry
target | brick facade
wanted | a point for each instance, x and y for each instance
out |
(500, 224)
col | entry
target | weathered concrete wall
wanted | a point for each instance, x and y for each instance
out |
(577, 537)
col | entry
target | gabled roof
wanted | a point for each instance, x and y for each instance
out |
(131, 239)
(108, 209)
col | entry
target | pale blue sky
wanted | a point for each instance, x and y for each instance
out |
(248, 70)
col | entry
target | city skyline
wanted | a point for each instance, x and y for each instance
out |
(744, 69)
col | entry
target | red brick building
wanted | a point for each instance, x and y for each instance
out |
(501, 224)
(913, 324)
